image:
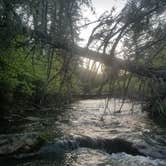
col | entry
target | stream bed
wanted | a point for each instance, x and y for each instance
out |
(89, 118)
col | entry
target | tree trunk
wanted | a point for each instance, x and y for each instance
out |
(130, 66)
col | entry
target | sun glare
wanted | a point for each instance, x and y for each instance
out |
(93, 66)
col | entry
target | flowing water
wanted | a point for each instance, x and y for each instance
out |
(90, 118)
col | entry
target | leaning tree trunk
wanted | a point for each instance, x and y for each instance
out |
(130, 66)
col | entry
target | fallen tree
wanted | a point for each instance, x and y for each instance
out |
(130, 66)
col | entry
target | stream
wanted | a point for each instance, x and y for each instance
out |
(84, 118)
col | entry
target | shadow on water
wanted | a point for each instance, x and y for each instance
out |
(58, 160)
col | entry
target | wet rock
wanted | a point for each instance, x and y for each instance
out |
(152, 151)
(16, 145)
(116, 145)
(60, 147)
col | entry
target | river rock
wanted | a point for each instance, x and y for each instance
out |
(16, 145)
